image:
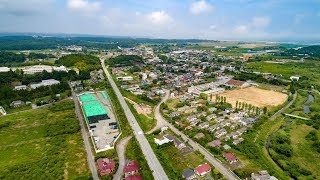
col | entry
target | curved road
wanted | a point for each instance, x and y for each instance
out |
(153, 162)
(284, 108)
(121, 149)
(209, 157)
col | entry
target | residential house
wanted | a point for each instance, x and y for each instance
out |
(230, 157)
(220, 133)
(105, 166)
(237, 141)
(189, 174)
(215, 143)
(262, 175)
(213, 128)
(173, 114)
(199, 136)
(17, 103)
(131, 168)
(226, 147)
(195, 122)
(134, 177)
(202, 169)
(177, 142)
(204, 125)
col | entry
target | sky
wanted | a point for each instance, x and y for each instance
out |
(182, 19)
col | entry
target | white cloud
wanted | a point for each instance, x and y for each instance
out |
(84, 5)
(213, 27)
(24, 8)
(201, 7)
(260, 22)
(241, 30)
(159, 18)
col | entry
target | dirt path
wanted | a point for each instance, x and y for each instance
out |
(121, 149)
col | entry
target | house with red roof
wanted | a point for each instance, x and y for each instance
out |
(230, 157)
(134, 177)
(131, 168)
(202, 169)
(105, 166)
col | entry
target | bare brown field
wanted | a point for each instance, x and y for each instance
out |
(255, 96)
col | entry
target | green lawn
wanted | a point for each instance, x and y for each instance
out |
(42, 143)
(171, 159)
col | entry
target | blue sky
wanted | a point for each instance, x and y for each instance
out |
(206, 19)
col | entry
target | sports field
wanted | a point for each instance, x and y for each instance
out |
(255, 96)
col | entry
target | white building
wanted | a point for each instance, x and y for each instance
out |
(4, 69)
(22, 87)
(125, 78)
(48, 82)
(41, 68)
(294, 78)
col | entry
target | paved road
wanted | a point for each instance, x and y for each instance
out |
(153, 162)
(209, 157)
(121, 149)
(85, 137)
(284, 108)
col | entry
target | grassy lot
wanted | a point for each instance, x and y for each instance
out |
(310, 69)
(145, 122)
(121, 117)
(43, 143)
(17, 109)
(303, 153)
(134, 152)
(171, 159)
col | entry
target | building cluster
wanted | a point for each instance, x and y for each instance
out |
(47, 82)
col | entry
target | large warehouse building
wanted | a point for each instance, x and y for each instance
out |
(93, 110)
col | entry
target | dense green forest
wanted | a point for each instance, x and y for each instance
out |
(10, 57)
(313, 51)
(33, 55)
(125, 60)
(80, 61)
(38, 42)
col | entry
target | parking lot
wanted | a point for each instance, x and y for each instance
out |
(105, 130)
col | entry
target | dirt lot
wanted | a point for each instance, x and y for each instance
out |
(255, 96)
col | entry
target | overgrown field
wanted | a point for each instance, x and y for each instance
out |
(309, 69)
(42, 144)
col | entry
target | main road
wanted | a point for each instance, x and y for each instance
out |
(90, 157)
(209, 157)
(153, 162)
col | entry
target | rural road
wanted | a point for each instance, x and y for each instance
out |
(85, 137)
(209, 157)
(153, 162)
(284, 108)
(160, 124)
(121, 149)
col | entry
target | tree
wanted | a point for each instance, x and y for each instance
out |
(224, 99)
(237, 104)
(265, 110)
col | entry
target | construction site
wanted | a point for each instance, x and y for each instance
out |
(100, 119)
